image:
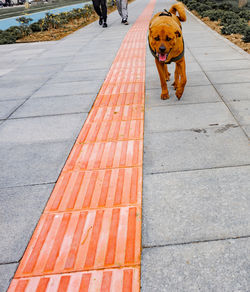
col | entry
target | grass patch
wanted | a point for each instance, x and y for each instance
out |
(226, 17)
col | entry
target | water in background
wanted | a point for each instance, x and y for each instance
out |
(6, 23)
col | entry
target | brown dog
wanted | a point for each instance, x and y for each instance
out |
(167, 46)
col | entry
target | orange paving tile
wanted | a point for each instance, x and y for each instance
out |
(118, 88)
(116, 113)
(86, 240)
(119, 99)
(111, 131)
(126, 75)
(101, 155)
(96, 189)
(123, 280)
(89, 237)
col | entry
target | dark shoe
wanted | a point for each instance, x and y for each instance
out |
(100, 20)
(124, 21)
(104, 24)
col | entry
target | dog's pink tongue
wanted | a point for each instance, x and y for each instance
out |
(162, 57)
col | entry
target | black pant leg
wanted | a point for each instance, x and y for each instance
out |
(96, 4)
(104, 10)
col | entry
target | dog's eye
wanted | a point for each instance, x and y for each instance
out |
(168, 39)
(157, 38)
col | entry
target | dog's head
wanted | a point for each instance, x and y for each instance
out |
(163, 38)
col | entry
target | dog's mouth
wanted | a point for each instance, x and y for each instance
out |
(163, 57)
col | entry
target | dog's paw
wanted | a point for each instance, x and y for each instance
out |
(165, 96)
(179, 93)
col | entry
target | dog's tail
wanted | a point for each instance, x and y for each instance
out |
(179, 7)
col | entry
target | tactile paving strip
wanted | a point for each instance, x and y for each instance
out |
(107, 188)
(112, 280)
(86, 240)
(101, 155)
(89, 237)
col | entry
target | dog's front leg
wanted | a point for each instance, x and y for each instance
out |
(181, 69)
(162, 75)
(167, 74)
(176, 77)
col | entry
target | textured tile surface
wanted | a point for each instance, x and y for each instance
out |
(125, 279)
(83, 241)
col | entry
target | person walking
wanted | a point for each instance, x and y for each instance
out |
(100, 7)
(122, 7)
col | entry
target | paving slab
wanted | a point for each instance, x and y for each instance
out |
(42, 129)
(247, 130)
(7, 107)
(227, 54)
(83, 75)
(29, 72)
(32, 52)
(241, 111)
(6, 274)
(193, 40)
(37, 163)
(229, 76)
(228, 65)
(184, 116)
(67, 88)
(16, 221)
(57, 105)
(88, 65)
(46, 61)
(196, 206)
(212, 266)
(205, 51)
(195, 94)
(191, 95)
(195, 149)
(19, 92)
(231, 92)
(22, 79)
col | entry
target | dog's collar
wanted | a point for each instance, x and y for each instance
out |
(165, 13)
(175, 59)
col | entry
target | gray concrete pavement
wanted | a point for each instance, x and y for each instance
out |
(196, 198)
(196, 191)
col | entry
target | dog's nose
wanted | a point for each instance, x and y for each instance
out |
(162, 49)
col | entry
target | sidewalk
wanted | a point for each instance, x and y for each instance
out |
(196, 203)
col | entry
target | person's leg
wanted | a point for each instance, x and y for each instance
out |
(104, 10)
(119, 7)
(96, 4)
(124, 4)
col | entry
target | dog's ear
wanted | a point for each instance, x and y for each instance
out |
(178, 34)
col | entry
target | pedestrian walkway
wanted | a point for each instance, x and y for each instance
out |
(195, 215)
